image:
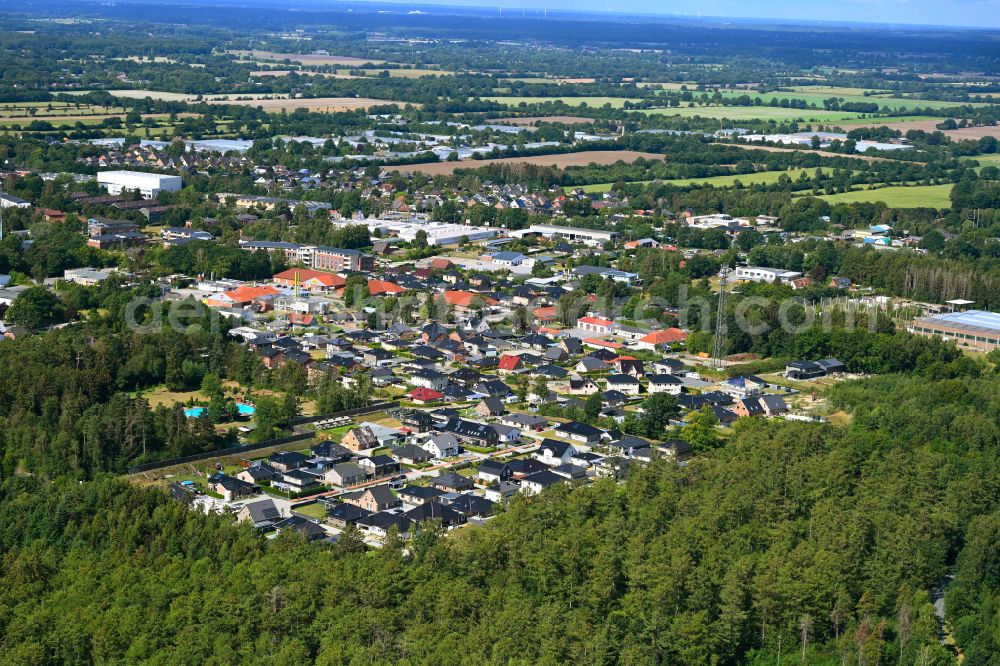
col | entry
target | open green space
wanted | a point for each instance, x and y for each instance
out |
(817, 97)
(761, 177)
(900, 196)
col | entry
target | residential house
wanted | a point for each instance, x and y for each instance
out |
(417, 495)
(344, 474)
(230, 487)
(661, 339)
(378, 466)
(580, 432)
(506, 434)
(425, 396)
(554, 452)
(497, 492)
(285, 461)
(773, 405)
(539, 481)
(597, 325)
(590, 364)
(443, 445)
(375, 498)
(412, 455)
(445, 515)
(509, 364)
(523, 421)
(451, 482)
(431, 379)
(380, 524)
(472, 506)
(492, 471)
(360, 439)
(490, 407)
(307, 528)
(262, 514)
(345, 514)
(257, 473)
(299, 480)
(743, 386)
(804, 370)
(585, 386)
(626, 384)
(665, 384)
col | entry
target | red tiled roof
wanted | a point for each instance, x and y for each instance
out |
(379, 287)
(249, 294)
(424, 394)
(465, 298)
(597, 342)
(596, 321)
(545, 313)
(310, 276)
(509, 362)
(664, 337)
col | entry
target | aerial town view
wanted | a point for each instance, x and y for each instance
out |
(546, 333)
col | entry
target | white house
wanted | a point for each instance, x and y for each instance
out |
(554, 452)
(665, 384)
(762, 274)
(595, 325)
(443, 445)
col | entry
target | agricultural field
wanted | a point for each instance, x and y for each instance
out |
(973, 133)
(901, 196)
(304, 58)
(561, 161)
(399, 73)
(822, 153)
(986, 160)
(48, 110)
(615, 102)
(925, 123)
(818, 96)
(328, 104)
(544, 79)
(826, 92)
(762, 177)
(531, 120)
(301, 72)
(89, 120)
(755, 113)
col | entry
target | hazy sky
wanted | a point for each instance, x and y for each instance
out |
(976, 13)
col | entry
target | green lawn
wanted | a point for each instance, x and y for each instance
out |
(920, 196)
(755, 113)
(986, 160)
(816, 97)
(765, 177)
(314, 510)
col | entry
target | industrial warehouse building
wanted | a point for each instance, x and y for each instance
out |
(148, 184)
(552, 231)
(973, 328)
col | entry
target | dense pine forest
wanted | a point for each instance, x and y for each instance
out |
(800, 542)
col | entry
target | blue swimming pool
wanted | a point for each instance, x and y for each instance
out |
(245, 409)
(194, 412)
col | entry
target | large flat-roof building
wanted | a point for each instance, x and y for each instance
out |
(438, 233)
(589, 236)
(148, 184)
(976, 329)
(762, 274)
